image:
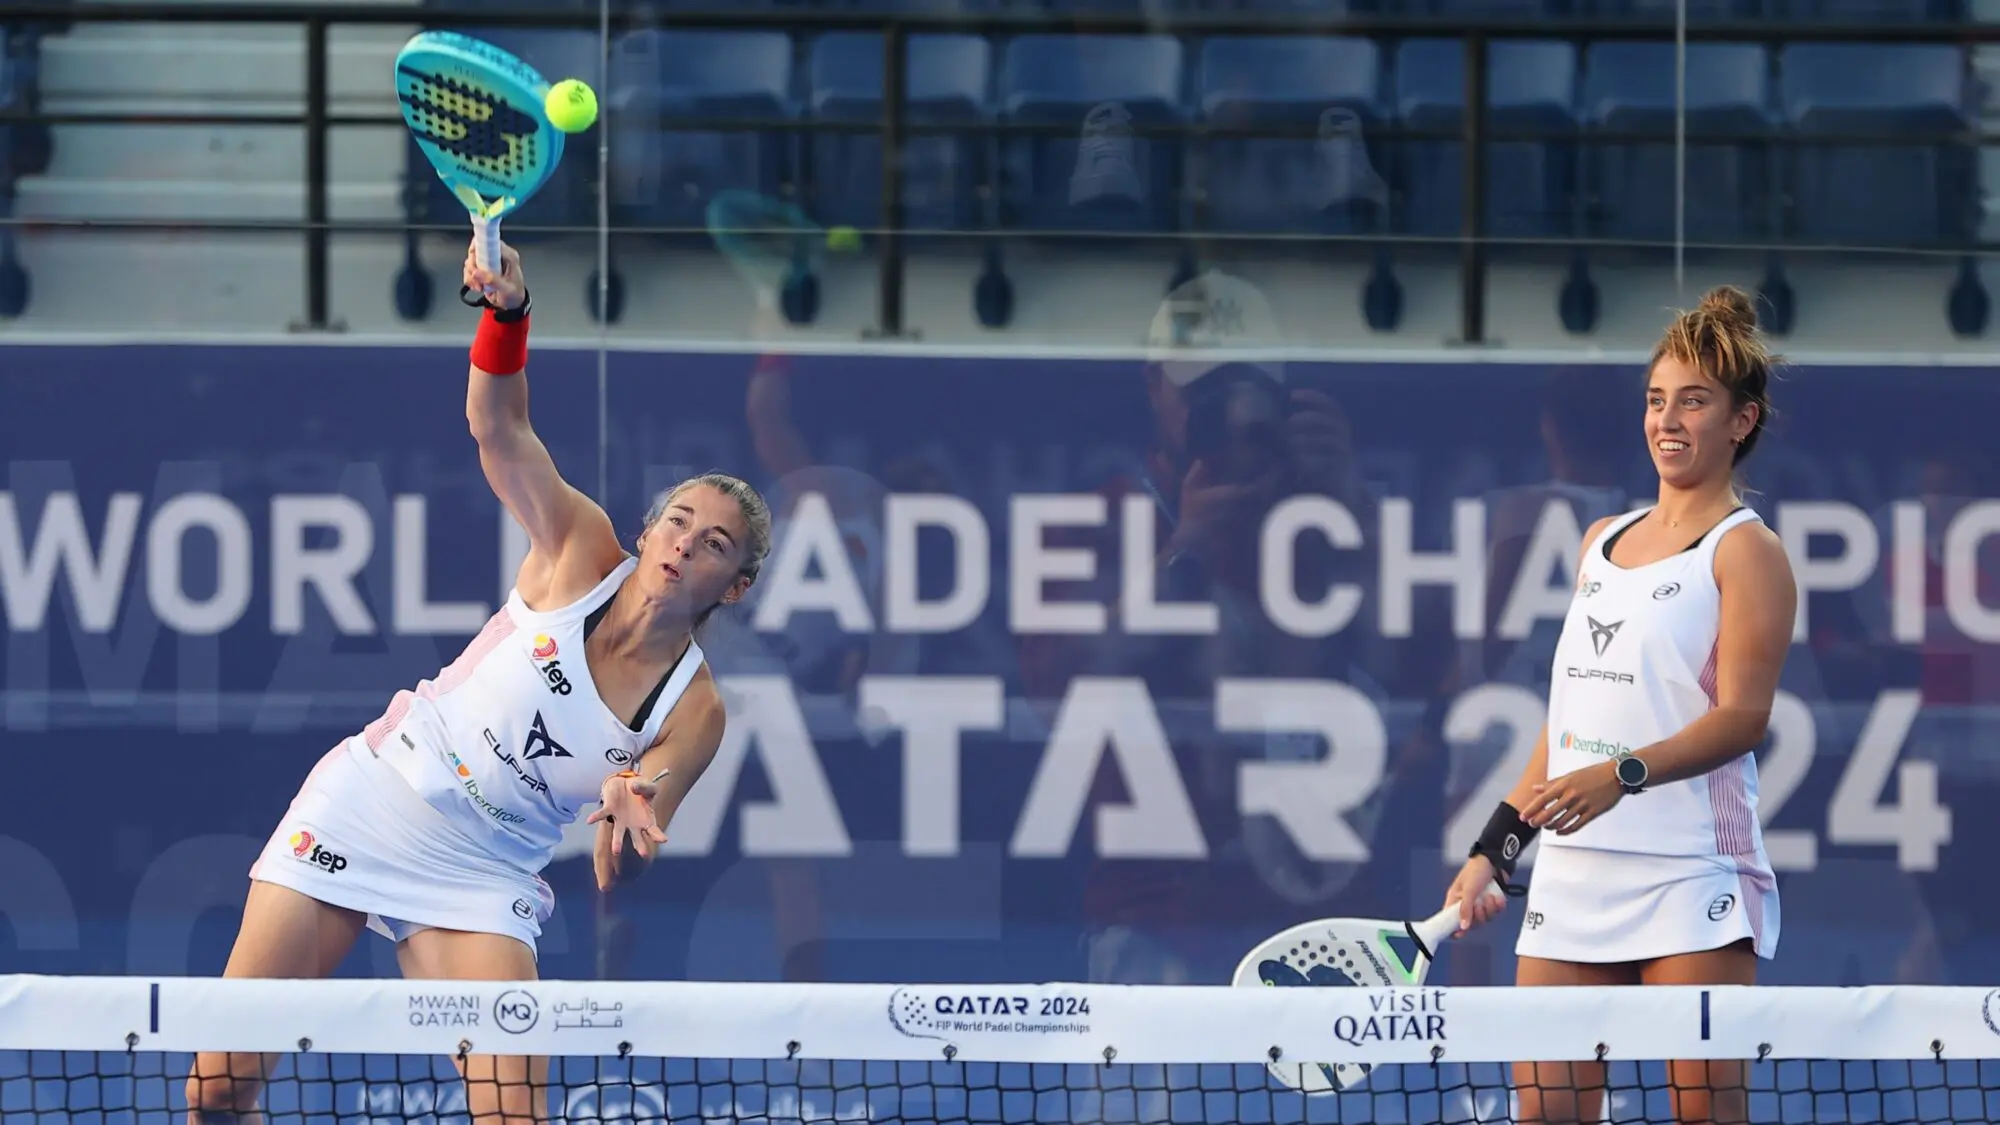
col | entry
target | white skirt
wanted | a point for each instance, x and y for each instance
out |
(357, 836)
(1589, 905)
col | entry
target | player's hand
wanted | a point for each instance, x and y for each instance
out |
(1477, 893)
(1214, 514)
(507, 289)
(628, 813)
(1320, 441)
(1575, 799)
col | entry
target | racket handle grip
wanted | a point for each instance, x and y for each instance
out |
(486, 244)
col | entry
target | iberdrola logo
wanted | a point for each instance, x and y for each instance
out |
(1602, 747)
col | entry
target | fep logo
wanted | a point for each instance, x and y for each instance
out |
(545, 647)
(308, 851)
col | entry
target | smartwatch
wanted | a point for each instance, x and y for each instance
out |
(1632, 774)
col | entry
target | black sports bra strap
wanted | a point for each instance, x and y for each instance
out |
(596, 617)
(637, 722)
(1613, 538)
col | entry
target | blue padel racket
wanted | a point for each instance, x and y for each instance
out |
(767, 241)
(1344, 952)
(478, 114)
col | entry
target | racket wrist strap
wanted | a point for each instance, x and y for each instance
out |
(1502, 841)
(473, 299)
(501, 345)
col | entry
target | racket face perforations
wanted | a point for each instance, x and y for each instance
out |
(1316, 962)
(1315, 955)
(475, 126)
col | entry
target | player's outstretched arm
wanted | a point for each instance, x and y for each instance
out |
(640, 803)
(572, 544)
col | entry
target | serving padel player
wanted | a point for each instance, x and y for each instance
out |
(1653, 869)
(431, 825)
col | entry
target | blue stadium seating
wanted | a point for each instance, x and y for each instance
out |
(1630, 88)
(1917, 193)
(1698, 11)
(924, 6)
(1446, 10)
(8, 103)
(663, 176)
(1094, 174)
(1531, 185)
(1268, 184)
(1115, 7)
(1283, 8)
(569, 198)
(1873, 11)
(1086, 172)
(25, 149)
(946, 84)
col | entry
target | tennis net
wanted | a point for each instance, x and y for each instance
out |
(120, 1049)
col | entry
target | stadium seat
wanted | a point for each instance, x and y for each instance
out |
(1450, 10)
(516, 5)
(1091, 173)
(1116, 7)
(1293, 8)
(32, 144)
(933, 7)
(1630, 88)
(1872, 12)
(8, 103)
(1272, 184)
(1698, 11)
(662, 176)
(1531, 185)
(946, 84)
(569, 198)
(924, 6)
(1871, 194)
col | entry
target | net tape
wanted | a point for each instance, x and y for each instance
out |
(119, 1049)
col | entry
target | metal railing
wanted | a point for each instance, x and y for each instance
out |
(1474, 134)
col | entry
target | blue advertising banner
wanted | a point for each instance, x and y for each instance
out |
(1016, 697)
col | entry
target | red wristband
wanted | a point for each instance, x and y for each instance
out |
(500, 347)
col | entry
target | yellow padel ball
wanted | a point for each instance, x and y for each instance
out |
(571, 105)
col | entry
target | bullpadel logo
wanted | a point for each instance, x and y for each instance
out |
(1602, 747)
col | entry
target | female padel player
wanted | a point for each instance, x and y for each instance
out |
(1654, 870)
(430, 826)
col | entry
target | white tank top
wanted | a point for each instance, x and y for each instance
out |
(511, 740)
(1635, 665)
